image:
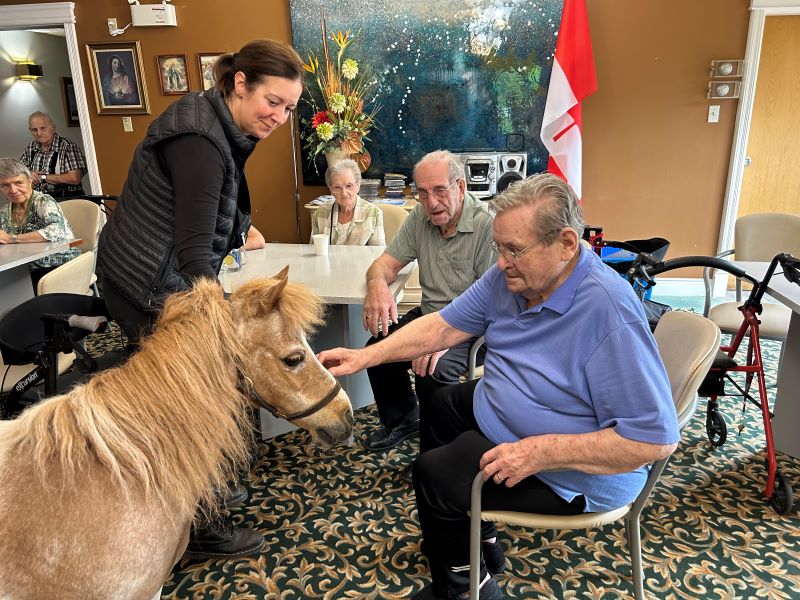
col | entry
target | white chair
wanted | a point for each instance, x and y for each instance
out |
(411, 296)
(72, 277)
(757, 238)
(687, 344)
(393, 217)
(84, 218)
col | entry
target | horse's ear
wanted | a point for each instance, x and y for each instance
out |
(270, 299)
(252, 300)
(284, 274)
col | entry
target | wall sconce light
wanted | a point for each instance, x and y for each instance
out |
(29, 71)
(726, 69)
(723, 89)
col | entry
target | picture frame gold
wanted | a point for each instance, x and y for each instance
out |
(173, 75)
(205, 62)
(118, 78)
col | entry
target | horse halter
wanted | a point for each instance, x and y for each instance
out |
(245, 385)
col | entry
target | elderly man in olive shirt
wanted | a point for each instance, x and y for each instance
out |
(450, 235)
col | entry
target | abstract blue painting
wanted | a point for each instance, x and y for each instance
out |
(462, 75)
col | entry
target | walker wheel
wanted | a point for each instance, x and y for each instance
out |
(781, 500)
(716, 429)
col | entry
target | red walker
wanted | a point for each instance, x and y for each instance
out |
(778, 489)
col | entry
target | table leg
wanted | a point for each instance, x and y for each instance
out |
(15, 287)
(342, 329)
(787, 407)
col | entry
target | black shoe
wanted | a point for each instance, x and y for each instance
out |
(222, 540)
(233, 495)
(426, 593)
(488, 591)
(384, 439)
(493, 557)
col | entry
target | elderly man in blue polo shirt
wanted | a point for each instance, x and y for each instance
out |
(575, 400)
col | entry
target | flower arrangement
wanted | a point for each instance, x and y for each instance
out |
(340, 122)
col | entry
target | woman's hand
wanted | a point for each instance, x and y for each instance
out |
(5, 238)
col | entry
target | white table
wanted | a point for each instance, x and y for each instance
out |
(339, 279)
(15, 278)
(787, 403)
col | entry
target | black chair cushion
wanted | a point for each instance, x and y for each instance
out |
(22, 330)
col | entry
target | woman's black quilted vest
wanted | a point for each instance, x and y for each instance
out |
(136, 251)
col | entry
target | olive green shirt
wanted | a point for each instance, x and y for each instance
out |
(449, 266)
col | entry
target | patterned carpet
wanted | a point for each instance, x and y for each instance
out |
(342, 524)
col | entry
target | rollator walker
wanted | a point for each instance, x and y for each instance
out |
(641, 274)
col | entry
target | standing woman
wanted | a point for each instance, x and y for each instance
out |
(30, 217)
(185, 205)
(349, 220)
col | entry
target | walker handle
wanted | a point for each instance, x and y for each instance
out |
(92, 324)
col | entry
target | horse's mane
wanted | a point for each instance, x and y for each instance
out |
(171, 421)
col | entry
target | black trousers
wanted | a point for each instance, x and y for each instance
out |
(443, 480)
(134, 322)
(391, 385)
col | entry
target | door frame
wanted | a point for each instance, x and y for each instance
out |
(23, 16)
(759, 11)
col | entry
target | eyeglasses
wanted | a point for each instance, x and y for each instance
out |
(440, 192)
(348, 187)
(511, 255)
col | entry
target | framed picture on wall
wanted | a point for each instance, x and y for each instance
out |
(172, 74)
(70, 103)
(206, 62)
(118, 78)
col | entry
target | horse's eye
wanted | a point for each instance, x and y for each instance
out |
(294, 359)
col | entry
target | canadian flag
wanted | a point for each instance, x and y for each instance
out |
(572, 80)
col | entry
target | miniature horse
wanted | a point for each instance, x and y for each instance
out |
(98, 487)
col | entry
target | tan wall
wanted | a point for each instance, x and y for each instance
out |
(653, 166)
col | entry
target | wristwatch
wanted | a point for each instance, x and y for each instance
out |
(14, 238)
(43, 177)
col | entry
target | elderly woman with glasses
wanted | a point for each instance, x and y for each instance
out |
(31, 216)
(349, 220)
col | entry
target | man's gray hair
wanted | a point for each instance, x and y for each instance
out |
(342, 166)
(43, 115)
(557, 205)
(11, 167)
(455, 169)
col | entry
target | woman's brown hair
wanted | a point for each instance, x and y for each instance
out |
(258, 59)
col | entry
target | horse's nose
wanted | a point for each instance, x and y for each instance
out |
(338, 433)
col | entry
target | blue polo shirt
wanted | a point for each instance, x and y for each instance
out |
(581, 361)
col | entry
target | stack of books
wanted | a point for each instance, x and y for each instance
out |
(370, 189)
(395, 185)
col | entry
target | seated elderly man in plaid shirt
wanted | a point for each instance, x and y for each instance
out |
(57, 164)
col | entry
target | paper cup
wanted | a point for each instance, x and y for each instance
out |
(320, 244)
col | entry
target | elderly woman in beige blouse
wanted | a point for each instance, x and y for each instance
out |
(349, 220)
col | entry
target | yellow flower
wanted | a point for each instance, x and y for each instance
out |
(343, 40)
(349, 69)
(313, 64)
(338, 103)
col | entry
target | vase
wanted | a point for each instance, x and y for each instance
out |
(334, 155)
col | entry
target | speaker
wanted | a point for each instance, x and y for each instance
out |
(511, 168)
